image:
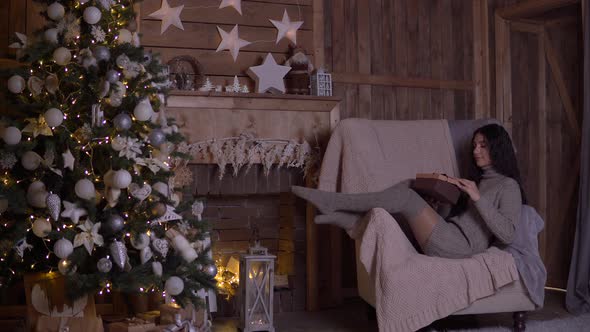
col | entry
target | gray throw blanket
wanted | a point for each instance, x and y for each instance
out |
(524, 247)
(525, 250)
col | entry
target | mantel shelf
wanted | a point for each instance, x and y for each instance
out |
(210, 115)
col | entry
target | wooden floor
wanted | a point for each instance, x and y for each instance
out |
(352, 316)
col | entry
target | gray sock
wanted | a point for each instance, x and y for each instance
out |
(395, 199)
(345, 220)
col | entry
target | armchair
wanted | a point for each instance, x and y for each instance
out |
(397, 150)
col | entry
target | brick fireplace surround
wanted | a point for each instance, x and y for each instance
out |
(236, 204)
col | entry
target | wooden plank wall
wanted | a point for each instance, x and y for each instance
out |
(370, 44)
(200, 38)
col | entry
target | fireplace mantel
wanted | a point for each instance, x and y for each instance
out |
(204, 116)
(209, 115)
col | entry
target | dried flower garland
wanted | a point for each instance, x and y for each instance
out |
(246, 150)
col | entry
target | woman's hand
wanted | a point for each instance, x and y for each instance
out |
(470, 188)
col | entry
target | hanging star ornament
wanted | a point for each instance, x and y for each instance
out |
(237, 4)
(269, 75)
(68, 160)
(231, 41)
(287, 28)
(169, 16)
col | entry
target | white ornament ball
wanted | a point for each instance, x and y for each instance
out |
(124, 36)
(12, 135)
(62, 56)
(104, 265)
(143, 111)
(16, 84)
(92, 15)
(140, 241)
(31, 160)
(174, 285)
(41, 227)
(3, 205)
(85, 189)
(53, 117)
(161, 187)
(121, 179)
(51, 35)
(63, 248)
(56, 11)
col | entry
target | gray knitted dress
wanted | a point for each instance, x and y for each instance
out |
(492, 219)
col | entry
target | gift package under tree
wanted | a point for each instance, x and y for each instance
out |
(87, 162)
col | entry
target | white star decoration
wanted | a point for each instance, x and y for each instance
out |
(287, 28)
(72, 211)
(230, 41)
(269, 75)
(169, 16)
(237, 4)
(68, 160)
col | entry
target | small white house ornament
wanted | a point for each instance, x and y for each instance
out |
(321, 83)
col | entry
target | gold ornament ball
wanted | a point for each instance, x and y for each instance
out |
(159, 209)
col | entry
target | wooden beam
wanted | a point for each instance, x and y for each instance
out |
(481, 61)
(532, 7)
(390, 80)
(526, 27)
(503, 73)
(318, 33)
(557, 75)
(542, 139)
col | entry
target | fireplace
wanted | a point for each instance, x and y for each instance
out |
(235, 204)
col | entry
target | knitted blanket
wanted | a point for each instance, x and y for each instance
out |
(412, 290)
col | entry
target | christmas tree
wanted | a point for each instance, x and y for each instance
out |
(87, 159)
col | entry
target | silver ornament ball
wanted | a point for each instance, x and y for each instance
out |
(157, 137)
(102, 53)
(115, 223)
(104, 265)
(122, 122)
(112, 76)
(210, 270)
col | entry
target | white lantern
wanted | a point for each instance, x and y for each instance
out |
(256, 290)
(321, 83)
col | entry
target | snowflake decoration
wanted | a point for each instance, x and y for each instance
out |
(128, 147)
(98, 33)
(7, 160)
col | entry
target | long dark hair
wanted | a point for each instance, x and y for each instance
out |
(502, 156)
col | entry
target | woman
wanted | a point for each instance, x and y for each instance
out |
(489, 216)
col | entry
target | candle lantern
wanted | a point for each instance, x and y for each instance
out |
(256, 290)
(321, 83)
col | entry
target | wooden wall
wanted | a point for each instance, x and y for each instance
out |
(200, 37)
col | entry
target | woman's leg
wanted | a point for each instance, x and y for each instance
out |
(395, 199)
(421, 224)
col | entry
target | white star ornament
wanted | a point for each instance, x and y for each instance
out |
(269, 76)
(73, 212)
(169, 16)
(237, 4)
(287, 28)
(231, 41)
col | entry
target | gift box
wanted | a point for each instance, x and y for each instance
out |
(437, 186)
(169, 311)
(131, 325)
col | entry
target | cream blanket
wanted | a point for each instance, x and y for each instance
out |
(412, 290)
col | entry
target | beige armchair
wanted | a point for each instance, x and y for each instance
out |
(512, 297)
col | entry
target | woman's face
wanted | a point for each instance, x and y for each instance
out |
(481, 151)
